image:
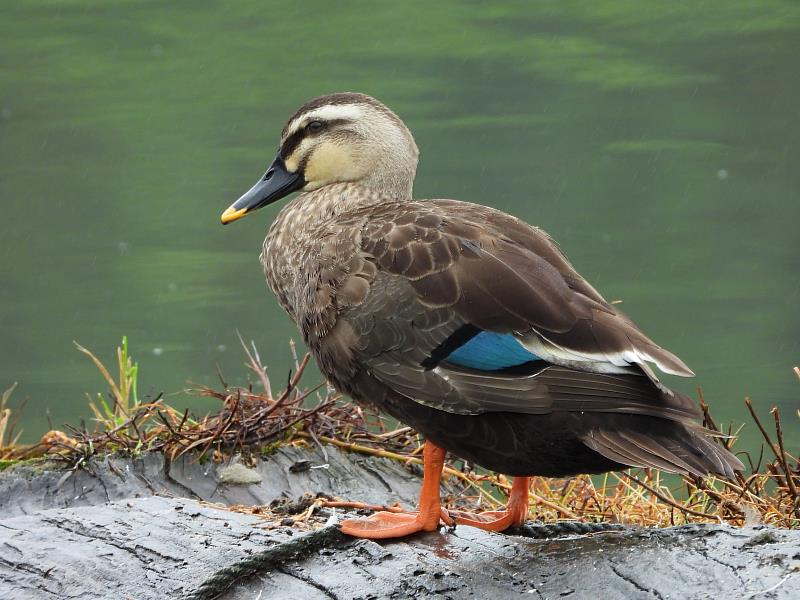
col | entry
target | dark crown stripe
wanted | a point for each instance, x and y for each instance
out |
(335, 99)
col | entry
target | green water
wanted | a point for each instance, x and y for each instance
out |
(657, 142)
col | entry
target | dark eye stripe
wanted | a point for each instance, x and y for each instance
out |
(293, 141)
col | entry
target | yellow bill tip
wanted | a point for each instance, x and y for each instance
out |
(231, 214)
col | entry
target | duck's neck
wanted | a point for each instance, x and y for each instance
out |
(396, 183)
(299, 226)
(311, 209)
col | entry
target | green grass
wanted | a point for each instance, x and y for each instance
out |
(124, 398)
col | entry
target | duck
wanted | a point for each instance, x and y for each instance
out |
(461, 321)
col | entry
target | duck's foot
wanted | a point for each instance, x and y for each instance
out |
(514, 515)
(390, 523)
(386, 525)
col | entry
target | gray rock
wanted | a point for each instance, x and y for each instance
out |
(238, 474)
(108, 536)
(25, 489)
(697, 561)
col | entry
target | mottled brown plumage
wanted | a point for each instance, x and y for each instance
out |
(384, 288)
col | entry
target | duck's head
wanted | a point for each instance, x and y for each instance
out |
(345, 137)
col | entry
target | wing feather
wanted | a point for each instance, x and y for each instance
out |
(425, 269)
(500, 274)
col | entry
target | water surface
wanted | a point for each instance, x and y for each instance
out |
(658, 144)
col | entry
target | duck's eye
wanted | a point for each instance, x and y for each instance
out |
(315, 126)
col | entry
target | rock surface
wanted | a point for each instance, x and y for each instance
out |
(109, 536)
(287, 473)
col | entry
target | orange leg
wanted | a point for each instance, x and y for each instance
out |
(384, 524)
(498, 520)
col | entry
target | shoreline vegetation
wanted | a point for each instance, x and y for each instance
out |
(253, 421)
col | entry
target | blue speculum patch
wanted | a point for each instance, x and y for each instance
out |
(489, 351)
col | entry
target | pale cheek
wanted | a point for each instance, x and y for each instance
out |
(330, 163)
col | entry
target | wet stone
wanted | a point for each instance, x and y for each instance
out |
(175, 544)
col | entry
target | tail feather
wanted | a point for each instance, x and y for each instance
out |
(670, 446)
